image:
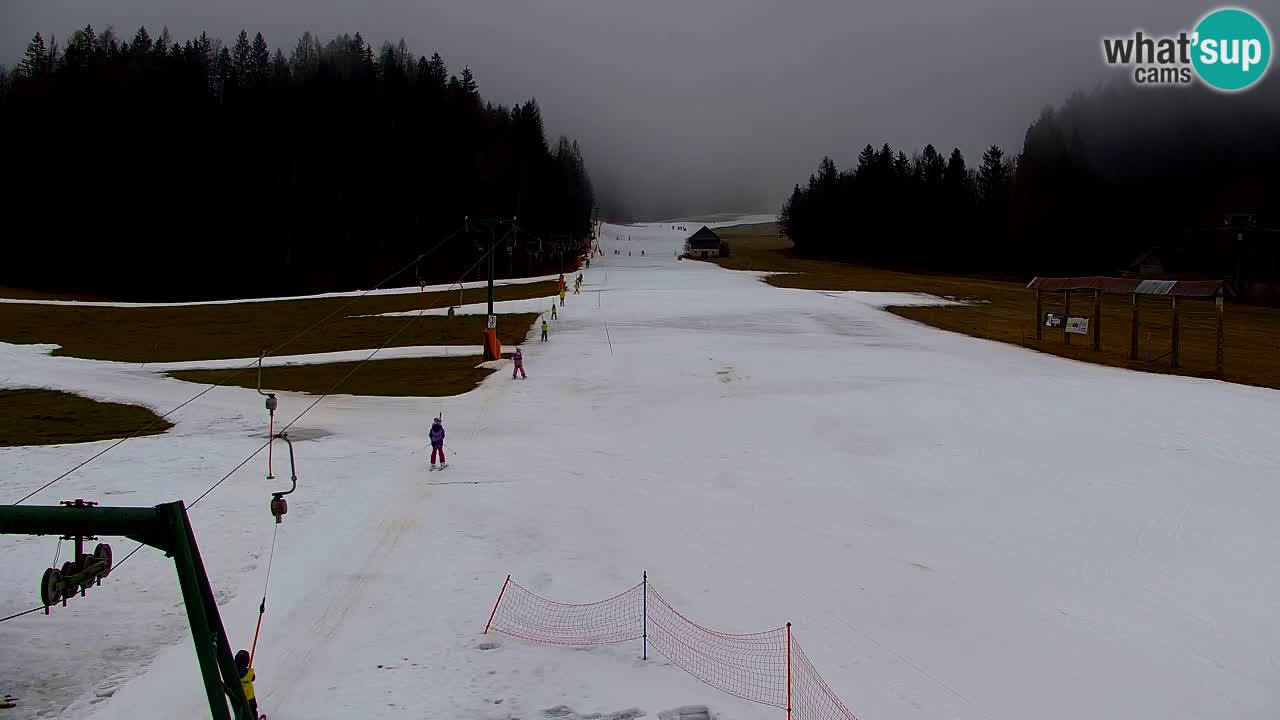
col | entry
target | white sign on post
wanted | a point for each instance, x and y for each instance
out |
(1078, 325)
(493, 322)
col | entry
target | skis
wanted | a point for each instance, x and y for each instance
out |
(441, 466)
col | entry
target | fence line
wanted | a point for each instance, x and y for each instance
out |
(767, 667)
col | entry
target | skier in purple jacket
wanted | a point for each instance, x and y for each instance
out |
(437, 444)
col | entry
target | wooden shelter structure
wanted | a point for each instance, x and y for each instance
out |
(1175, 290)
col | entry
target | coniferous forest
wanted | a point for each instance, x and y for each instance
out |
(1101, 181)
(144, 168)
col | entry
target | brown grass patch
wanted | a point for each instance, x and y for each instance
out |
(242, 330)
(51, 417)
(398, 377)
(1004, 311)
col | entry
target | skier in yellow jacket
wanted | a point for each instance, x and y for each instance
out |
(246, 681)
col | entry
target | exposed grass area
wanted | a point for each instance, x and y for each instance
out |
(399, 377)
(242, 330)
(51, 417)
(1004, 311)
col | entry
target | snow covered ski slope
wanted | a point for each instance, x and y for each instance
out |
(956, 528)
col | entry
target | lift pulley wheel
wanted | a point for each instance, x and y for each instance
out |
(51, 587)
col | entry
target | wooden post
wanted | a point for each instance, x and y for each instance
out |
(1218, 302)
(1097, 319)
(1133, 330)
(1173, 351)
(1066, 315)
(1039, 316)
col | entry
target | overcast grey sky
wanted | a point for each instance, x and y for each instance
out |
(697, 106)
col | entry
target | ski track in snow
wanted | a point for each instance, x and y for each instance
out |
(956, 528)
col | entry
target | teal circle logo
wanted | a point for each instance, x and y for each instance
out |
(1232, 49)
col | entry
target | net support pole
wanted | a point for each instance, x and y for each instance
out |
(644, 622)
(501, 592)
(788, 671)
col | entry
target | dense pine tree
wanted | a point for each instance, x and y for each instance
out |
(249, 174)
(1098, 181)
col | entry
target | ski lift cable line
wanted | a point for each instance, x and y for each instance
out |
(42, 607)
(237, 372)
(405, 326)
(264, 446)
(300, 415)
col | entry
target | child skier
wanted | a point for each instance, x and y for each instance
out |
(553, 309)
(519, 367)
(544, 330)
(437, 444)
(246, 681)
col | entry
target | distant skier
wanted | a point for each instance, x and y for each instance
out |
(437, 443)
(518, 358)
(553, 309)
(544, 330)
(246, 681)
(561, 297)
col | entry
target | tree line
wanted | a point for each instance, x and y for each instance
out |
(1099, 181)
(149, 169)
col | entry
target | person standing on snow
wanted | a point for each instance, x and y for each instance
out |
(437, 444)
(246, 681)
(544, 330)
(553, 309)
(519, 365)
(561, 297)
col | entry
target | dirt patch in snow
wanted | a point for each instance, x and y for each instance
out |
(36, 416)
(1003, 310)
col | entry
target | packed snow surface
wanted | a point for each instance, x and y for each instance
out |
(957, 528)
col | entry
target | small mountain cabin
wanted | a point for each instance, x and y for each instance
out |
(703, 244)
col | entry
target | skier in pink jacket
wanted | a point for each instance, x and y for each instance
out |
(519, 365)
